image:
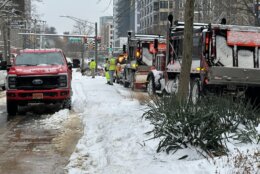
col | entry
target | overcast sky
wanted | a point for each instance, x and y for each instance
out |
(91, 10)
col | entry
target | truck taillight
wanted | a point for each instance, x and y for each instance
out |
(63, 80)
(207, 42)
(12, 82)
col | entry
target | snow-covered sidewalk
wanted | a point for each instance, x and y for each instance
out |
(114, 140)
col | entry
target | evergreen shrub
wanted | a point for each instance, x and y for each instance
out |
(206, 125)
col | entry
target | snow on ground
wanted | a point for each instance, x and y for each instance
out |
(56, 120)
(114, 140)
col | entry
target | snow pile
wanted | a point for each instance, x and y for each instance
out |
(55, 121)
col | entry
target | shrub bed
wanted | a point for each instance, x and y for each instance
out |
(207, 125)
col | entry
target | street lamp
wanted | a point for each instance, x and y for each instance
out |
(85, 23)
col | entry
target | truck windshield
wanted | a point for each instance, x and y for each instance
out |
(36, 59)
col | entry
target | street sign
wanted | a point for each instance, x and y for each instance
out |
(75, 39)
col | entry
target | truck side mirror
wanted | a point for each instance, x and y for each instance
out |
(69, 65)
(8, 67)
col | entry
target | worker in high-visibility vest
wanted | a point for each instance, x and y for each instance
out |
(112, 68)
(107, 71)
(92, 67)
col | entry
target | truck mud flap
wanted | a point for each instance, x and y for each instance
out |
(233, 75)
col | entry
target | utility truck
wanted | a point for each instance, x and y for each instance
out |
(140, 57)
(225, 60)
(39, 76)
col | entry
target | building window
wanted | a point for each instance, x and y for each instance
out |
(163, 4)
(181, 4)
(155, 19)
(170, 4)
(163, 16)
(155, 6)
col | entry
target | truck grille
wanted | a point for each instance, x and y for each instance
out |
(47, 82)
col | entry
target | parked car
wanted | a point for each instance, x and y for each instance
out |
(39, 76)
(3, 74)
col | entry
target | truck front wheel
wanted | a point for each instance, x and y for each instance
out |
(12, 108)
(132, 84)
(151, 86)
(67, 104)
(195, 91)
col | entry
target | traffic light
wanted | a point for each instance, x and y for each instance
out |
(94, 44)
(98, 39)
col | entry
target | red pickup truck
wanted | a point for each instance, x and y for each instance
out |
(38, 76)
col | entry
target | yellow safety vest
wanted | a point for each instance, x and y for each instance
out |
(106, 66)
(92, 65)
(112, 64)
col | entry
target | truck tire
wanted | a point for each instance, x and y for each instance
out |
(195, 90)
(67, 104)
(11, 108)
(126, 84)
(172, 86)
(150, 86)
(132, 84)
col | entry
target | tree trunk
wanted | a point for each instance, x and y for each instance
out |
(183, 91)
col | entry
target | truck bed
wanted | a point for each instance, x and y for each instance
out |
(234, 75)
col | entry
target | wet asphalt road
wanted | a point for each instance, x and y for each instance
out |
(28, 147)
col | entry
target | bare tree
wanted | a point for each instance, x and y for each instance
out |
(238, 12)
(187, 51)
(250, 7)
(56, 41)
(7, 13)
(34, 11)
(83, 28)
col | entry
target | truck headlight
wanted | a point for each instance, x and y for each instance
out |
(12, 82)
(63, 80)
